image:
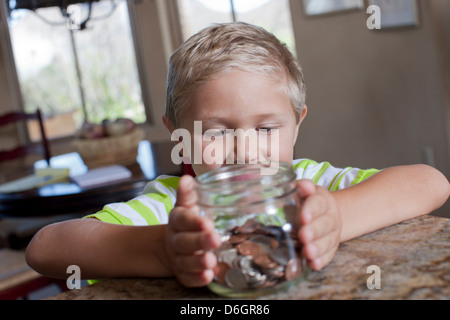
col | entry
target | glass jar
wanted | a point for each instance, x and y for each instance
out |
(257, 218)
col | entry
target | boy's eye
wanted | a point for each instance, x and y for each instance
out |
(215, 132)
(266, 130)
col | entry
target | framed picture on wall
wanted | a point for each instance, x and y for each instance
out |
(397, 13)
(319, 7)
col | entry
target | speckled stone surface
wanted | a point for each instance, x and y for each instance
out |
(413, 257)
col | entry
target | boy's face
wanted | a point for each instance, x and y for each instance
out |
(233, 103)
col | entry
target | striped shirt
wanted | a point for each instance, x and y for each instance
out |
(159, 196)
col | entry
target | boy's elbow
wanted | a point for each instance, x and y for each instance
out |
(437, 183)
(35, 254)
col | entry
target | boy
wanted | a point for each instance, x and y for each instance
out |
(229, 77)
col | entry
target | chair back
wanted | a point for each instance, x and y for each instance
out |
(22, 151)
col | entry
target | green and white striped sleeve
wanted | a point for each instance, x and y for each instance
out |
(151, 208)
(329, 177)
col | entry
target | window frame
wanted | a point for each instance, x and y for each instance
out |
(60, 144)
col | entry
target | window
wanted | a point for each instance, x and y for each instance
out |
(273, 15)
(73, 73)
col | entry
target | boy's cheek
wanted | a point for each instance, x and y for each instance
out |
(203, 168)
(209, 155)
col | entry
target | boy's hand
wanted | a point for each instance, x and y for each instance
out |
(189, 237)
(321, 224)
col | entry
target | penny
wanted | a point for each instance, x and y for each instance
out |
(255, 255)
(264, 261)
(293, 269)
(237, 238)
(291, 212)
(248, 227)
(248, 248)
(220, 270)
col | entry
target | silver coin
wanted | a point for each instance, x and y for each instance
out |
(281, 255)
(234, 278)
(246, 266)
(277, 272)
(257, 280)
(228, 256)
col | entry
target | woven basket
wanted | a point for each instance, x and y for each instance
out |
(106, 151)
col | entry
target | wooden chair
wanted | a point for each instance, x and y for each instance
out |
(187, 169)
(18, 280)
(22, 151)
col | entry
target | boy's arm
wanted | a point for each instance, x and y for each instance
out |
(100, 249)
(104, 250)
(393, 195)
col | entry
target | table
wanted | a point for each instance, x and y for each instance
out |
(65, 198)
(413, 257)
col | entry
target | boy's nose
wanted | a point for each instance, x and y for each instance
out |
(245, 147)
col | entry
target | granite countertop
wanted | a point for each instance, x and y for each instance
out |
(413, 257)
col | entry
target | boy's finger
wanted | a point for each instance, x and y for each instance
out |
(182, 219)
(317, 228)
(320, 262)
(186, 195)
(320, 247)
(196, 280)
(190, 242)
(305, 188)
(196, 262)
(313, 207)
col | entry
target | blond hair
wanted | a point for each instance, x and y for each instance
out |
(230, 45)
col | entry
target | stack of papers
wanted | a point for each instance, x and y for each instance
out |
(103, 175)
(41, 177)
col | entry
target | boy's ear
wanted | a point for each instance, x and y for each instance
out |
(302, 117)
(167, 123)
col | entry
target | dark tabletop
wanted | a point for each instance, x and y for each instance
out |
(64, 198)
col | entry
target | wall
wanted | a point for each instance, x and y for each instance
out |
(375, 98)
(8, 136)
(153, 73)
(441, 19)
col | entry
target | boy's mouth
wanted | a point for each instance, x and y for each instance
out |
(245, 177)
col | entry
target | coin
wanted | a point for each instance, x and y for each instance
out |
(220, 270)
(264, 261)
(234, 278)
(265, 241)
(257, 280)
(237, 238)
(228, 256)
(255, 255)
(293, 269)
(273, 231)
(281, 255)
(249, 226)
(277, 272)
(248, 248)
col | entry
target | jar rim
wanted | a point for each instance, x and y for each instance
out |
(234, 175)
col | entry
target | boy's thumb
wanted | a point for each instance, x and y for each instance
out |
(186, 195)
